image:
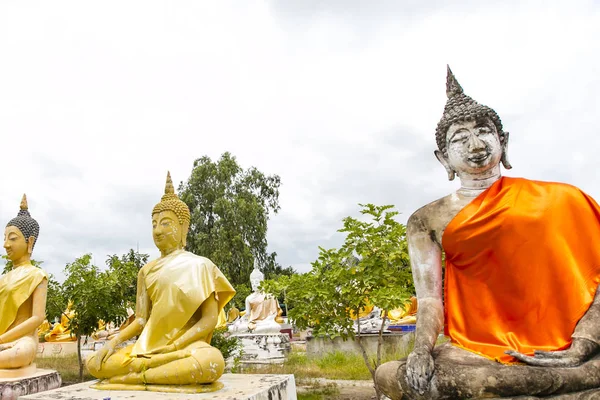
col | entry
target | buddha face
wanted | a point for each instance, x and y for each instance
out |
(17, 248)
(167, 232)
(472, 147)
(255, 283)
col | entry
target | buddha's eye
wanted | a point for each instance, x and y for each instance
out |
(459, 139)
(483, 130)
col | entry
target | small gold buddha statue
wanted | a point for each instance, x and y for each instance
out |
(233, 314)
(60, 331)
(180, 298)
(22, 296)
(107, 331)
(44, 329)
(262, 313)
(406, 314)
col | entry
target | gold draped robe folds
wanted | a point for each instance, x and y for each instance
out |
(522, 267)
(177, 285)
(16, 287)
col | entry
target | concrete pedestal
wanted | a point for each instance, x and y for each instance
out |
(39, 381)
(56, 349)
(235, 387)
(267, 348)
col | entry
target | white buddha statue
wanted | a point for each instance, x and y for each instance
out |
(263, 314)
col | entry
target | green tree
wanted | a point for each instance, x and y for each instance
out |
(371, 267)
(230, 207)
(56, 301)
(90, 290)
(123, 273)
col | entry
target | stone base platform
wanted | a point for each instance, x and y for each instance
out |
(235, 387)
(56, 349)
(39, 381)
(264, 348)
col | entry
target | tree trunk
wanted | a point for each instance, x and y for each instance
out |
(79, 358)
(365, 356)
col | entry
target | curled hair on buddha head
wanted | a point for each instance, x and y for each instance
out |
(170, 202)
(460, 107)
(28, 226)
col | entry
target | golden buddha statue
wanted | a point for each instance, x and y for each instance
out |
(262, 314)
(233, 314)
(407, 314)
(22, 296)
(60, 331)
(107, 331)
(180, 297)
(363, 312)
(43, 329)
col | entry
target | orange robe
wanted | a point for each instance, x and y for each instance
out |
(522, 267)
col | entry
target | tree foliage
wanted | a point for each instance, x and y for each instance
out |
(371, 267)
(230, 207)
(56, 301)
(123, 273)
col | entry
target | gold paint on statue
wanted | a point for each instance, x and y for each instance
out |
(22, 296)
(406, 314)
(233, 314)
(60, 331)
(180, 301)
(44, 328)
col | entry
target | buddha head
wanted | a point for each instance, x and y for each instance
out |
(20, 235)
(470, 137)
(256, 277)
(170, 221)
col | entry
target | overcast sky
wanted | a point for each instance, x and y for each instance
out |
(340, 98)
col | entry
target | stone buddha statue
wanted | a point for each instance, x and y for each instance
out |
(60, 331)
(262, 314)
(22, 296)
(180, 297)
(520, 303)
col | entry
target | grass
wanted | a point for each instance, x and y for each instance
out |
(336, 365)
(67, 366)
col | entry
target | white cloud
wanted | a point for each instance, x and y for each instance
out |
(97, 102)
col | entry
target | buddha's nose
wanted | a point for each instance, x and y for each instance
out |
(476, 144)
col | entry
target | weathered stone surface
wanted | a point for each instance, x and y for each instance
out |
(41, 380)
(236, 387)
(460, 374)
(56, 349)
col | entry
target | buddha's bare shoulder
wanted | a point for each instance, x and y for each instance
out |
(433, 218)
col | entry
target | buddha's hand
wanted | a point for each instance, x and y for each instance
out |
(419, 369)
(104, 353)
(580, 351)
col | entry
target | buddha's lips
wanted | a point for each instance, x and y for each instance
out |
(479, 157)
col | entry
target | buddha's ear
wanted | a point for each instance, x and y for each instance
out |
(504, 159)
(185, 227)
(30, 243)
(444, 161)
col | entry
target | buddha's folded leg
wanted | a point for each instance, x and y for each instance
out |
(195, 365)
(21, 354)
(119, 363)
(462, 374)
